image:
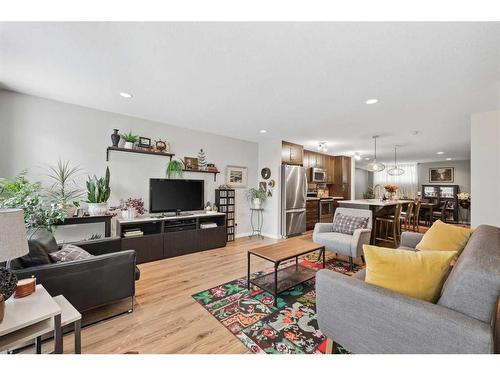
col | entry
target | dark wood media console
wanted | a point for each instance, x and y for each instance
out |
(166, 237)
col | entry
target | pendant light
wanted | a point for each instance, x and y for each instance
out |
(395, 171)
(374, 166)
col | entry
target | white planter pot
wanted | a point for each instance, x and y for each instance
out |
(129, 214)
(256, 203)
(97, 209)
(129, 145)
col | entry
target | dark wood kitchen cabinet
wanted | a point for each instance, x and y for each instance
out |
(342, 177)
(312, 213)
(292, 153)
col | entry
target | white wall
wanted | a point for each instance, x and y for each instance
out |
(36, 132)
(270, 157)
(485, 168)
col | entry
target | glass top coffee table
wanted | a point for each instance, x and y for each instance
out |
(287, 277)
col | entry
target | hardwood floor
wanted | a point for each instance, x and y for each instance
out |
(166, 319)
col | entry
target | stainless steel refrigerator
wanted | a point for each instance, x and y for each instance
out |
(293, 200)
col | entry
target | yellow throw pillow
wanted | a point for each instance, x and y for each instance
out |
(418, 274)
(445, 237)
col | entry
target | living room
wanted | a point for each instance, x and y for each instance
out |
(249, 187)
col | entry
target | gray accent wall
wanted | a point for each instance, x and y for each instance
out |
(362, 181)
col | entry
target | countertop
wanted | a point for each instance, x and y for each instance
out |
(318, 198)
(374, 202)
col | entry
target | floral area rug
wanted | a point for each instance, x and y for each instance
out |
(288, 327)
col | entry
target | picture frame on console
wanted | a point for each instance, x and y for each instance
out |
(236, 177)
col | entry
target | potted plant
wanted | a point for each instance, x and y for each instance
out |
(256, 197)
(64, 188)
(130, 140)
(39, 212)
(98, 192)
(130, 208)
(175, 167)
(464, 200)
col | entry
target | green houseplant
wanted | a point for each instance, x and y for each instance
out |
(39, 212)
(174, 168)
(64, 189)
(130, 139)
(98, 192)
(256, 196)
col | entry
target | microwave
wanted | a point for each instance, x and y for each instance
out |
(318, 175)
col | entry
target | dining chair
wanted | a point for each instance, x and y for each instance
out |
(440, 213)
(388, 228)
(407, 217)
(416, 216)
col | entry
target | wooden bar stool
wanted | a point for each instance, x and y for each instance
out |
(407, 217)
(388, 228)
(416, 217)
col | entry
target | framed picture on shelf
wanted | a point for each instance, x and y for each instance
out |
(191, 163)
(144, 142)
(236, 177)
(441, 175)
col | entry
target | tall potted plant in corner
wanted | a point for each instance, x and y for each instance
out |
(174, 168)
(256, 197)
(130, 140)
(64, 188)
(98, 192)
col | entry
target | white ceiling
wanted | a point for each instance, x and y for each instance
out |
(303, 82)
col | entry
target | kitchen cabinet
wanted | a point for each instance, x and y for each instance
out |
(312, 213)
(292, 153)
(341, 177)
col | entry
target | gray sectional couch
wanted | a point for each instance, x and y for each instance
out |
(365, 318)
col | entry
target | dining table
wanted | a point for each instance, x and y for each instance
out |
(378, 208)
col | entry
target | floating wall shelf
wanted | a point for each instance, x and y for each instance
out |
(200, 171)
(136, 151)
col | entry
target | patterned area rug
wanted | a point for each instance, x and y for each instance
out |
(289, 327)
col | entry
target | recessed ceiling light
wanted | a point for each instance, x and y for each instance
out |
(372, 101)
(263, 131)
(367, 158)
(126, 95)
(448, 159)
(440, 152)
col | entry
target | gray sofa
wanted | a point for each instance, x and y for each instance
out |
(365, 318)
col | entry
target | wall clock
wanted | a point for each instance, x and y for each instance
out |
(265, 173)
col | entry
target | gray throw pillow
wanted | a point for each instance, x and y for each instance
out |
(69, 253)
(347, 224)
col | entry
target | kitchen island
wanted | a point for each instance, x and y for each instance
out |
(376, 206)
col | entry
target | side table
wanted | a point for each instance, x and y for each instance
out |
(24, 318)
(256, 220)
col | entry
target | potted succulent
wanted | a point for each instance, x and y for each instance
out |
(175, 168)
(64, 188)
(98, 192)
(130, 208)
(130, 140)
(256, 197)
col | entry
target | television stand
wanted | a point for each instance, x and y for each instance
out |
(172, 235)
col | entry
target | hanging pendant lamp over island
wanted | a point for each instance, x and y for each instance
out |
(395, 171)
(374, 166)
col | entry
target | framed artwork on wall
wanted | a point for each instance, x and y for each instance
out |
(236, 177)
(441, 175)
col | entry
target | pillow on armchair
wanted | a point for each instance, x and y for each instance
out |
(347, 224)
(41, 242)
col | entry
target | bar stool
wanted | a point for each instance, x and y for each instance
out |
(416, 216)
(384, 223)
(407, 217)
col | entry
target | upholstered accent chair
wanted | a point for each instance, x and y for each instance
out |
(344, 244)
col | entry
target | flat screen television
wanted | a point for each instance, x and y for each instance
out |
(167, 195)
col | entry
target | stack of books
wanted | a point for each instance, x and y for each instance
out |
(127, 233)
(208, 225)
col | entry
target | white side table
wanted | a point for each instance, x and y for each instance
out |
(26, 317)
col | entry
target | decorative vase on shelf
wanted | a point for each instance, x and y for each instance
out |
(115, 138)
(465, 204)
(97, 209)
(129, 145)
